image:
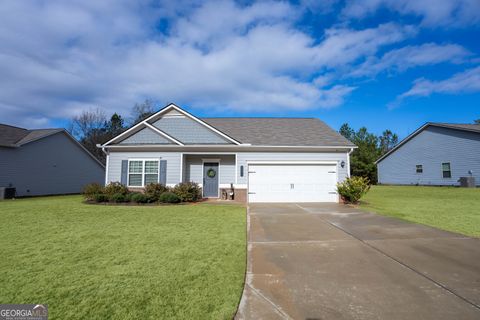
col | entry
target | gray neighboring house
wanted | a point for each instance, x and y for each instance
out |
(435, 154)
(45, 162)
(262, 159)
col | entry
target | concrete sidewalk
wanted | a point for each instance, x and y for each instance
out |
(328, 261)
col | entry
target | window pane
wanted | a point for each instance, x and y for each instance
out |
(446, 166)
(151, 178)
(135, 180)
(135, 167)
(419, 168)
(151, 166)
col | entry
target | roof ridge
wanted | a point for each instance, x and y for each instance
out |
(60, 129)
(9, 125)
(455, 123)
(258, 118)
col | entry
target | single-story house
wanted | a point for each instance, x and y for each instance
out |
(45, 162)
(435, 154)
(261, 159)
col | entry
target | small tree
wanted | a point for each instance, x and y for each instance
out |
(91, 128)
(141, 111)
(388, 140)
(369, 148)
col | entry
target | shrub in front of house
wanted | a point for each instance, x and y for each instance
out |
(188, 191)
(100, 197)
(154, 190)
(115, 187)
(169, 197)
(118, 198)
(90, 190)
(353, 189)
(138, 197)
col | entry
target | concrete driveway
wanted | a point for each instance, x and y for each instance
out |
(328, 261)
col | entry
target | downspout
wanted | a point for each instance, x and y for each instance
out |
(348, 161)
(106, 163)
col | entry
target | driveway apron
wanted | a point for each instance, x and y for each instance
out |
(329, 261)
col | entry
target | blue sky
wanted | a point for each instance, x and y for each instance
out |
(377, 63)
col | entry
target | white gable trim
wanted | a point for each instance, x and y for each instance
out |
(146, 123)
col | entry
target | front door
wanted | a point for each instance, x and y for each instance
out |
(210, 180)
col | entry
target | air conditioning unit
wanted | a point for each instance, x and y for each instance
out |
(467, 182)
(7, 193)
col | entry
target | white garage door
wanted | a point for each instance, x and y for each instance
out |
(292, 183)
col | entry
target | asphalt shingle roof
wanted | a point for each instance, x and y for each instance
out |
(460, 126)
(11, 136)
(279, 131)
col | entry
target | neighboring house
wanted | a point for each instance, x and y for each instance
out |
(45, 162)
(263, 159)
(435, 154)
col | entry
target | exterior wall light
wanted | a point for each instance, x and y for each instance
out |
(342, 164)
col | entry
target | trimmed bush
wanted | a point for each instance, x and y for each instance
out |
(115, 187)
(100, 197)
(169, 197)
(154, 190)
(118, 198)
(353, 189)
(90, 190)
(188, 191)
(138, 198)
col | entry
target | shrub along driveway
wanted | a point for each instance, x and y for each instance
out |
(122, 262)
(319, 261)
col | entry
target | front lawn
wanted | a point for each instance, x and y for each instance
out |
(447, 208)
(122, 262)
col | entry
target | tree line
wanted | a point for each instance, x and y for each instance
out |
(93, 127)
(370, 148)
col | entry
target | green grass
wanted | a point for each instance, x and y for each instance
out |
(122, 262)
(447, 208)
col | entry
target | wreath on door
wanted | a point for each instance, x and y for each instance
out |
(211, 173)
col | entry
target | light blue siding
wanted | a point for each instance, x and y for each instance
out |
(193, 171)
(114, 171)
(146, 136)
(194, 168)
(52, 165)
(188, 131)
(431, 148)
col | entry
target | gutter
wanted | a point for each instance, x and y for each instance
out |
(348, 161)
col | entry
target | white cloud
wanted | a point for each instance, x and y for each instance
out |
(446, 13)
(81, 54)
(463, 82)
(399, 60)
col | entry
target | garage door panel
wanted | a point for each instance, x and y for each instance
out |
(292, 183)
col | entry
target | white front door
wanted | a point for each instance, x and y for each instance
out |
(292, 183)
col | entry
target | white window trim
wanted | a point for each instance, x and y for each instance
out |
(142, 173)
(416, 168)
(449, 167)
